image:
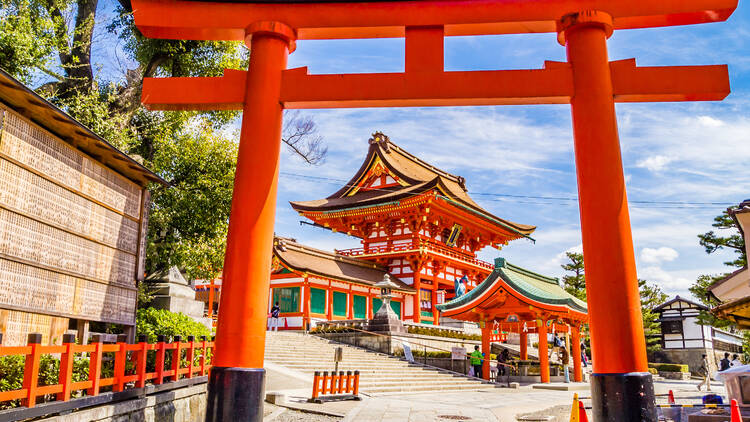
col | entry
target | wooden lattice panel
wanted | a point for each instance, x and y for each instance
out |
(35, 148)
(37, 197)
(16, 325)
(52, 248)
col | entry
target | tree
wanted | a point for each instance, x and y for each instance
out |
(713, 242)
(51, 44)
(651, 297)
(575, 284)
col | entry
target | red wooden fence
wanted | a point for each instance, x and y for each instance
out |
(336, 383)
(121, 379)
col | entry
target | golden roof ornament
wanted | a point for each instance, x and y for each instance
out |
(380, 138)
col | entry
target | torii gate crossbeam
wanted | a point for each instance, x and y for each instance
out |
(622, 388)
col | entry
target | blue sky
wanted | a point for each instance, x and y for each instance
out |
(692, 152)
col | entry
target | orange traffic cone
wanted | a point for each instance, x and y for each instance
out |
(671, 397)
(582, 413)
(575, 413)
(286, 324)
(735, 412)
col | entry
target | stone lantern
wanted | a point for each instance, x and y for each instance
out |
(385, 319)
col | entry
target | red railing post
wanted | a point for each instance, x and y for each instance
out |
(324, 390)
(95, 366)
(348, 381)
(316, 382)
(65, 377)
(341, 382)
(204, 348)
(140, 364)
(121, 359)
(160, 356)
(31, 370)
(176, 358)
(356, 383)
(190, 352)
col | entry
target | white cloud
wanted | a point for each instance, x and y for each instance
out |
(654, 163)
(709, 121)
(659, 255)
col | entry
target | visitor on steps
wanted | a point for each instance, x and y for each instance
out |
(476, 362)
(564, 357)
(725, 363)
(275, 317)
(502, 360)
(704, 371)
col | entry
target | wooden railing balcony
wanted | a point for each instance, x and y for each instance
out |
(412, 246)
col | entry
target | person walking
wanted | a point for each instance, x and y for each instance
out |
(735, 361)
(564, 357)
(275, 310)
(476, 362)
(725, 363)
(705, 372)
(584, 358)
(502, 361)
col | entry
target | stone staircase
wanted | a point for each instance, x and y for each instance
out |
(380, 374)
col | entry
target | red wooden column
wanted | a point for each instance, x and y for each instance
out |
(618, 344)
(576, 350)
(211, 300)
(436, 268)
(329, 302)
(417, 298)
(350, 303)
(306, 305)
(524, 345)
(370, 296)
(486, 349)
(236, 385)
(543, 351)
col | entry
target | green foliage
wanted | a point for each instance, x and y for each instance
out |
(152, 322)
(653, 371)
(436, 332)
(651, 297)
(669, 367)
(575, 284)
(713, 242)
(12, 371)
(188, 223)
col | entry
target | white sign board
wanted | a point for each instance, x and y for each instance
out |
(407, 352)
(458, 353)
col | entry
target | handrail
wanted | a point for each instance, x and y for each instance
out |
(121, 378)
(414, 245)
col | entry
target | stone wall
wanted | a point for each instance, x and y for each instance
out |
(693, 358)
(186, 404)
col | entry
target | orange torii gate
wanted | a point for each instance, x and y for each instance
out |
(588, 81)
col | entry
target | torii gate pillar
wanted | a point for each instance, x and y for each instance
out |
(621, 387)
(236, 384)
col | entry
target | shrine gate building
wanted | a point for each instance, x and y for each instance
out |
(416, 222)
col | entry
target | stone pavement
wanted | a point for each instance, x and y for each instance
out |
(495, 405)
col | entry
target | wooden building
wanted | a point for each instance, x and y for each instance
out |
(73, 217)
(733, 291)
(311, 285)
(415, 221)
(684, 341)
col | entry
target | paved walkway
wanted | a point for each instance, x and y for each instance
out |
(495, 405)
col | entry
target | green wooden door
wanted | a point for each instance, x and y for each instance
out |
(360, 307)
(339, 304)
(288, 298)
(317, 301)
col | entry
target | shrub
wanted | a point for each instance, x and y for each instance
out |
(152, 322)
(671, 367)
(436, 332)
(12, 368)
(653, 371)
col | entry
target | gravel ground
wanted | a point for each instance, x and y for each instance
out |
(294, 416)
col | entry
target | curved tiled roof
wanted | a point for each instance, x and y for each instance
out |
(418, 176)
(531, 285)
(331, 265)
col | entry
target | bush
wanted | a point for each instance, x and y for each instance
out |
(668, 367)
(152, 322)
(436, 332)
(653, 371)
(12, 368)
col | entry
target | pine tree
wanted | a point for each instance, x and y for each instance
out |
(575, 284)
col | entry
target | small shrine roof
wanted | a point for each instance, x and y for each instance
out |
(305, 259)
(527, 287)
(414, 177)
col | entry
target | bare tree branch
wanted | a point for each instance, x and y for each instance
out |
(300, 134)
